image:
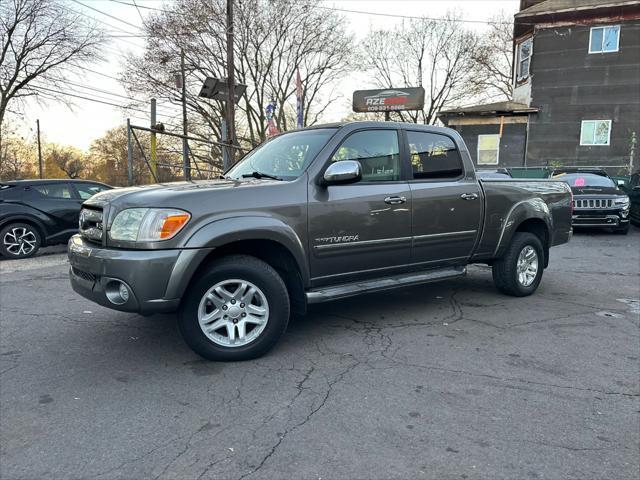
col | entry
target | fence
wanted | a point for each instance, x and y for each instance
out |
(200, 158)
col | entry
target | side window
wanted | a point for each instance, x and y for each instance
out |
(54, 190)
(376, 150)
(488, 149)
(604, 39)
(87, 190)
(595, 132)
(433, 156)
(525, 49)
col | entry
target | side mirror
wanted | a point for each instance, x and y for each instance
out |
(343, 172)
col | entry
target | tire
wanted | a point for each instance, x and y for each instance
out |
(622, 230)
(19, 240)
(240, 319)
(506, 275)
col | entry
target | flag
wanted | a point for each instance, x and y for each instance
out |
(299, 98)
(272, 129)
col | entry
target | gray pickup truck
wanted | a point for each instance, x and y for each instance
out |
(311, 216)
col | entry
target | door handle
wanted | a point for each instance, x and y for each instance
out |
(469, 196)
(395, 200)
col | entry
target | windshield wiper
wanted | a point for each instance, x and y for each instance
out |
(256, 174)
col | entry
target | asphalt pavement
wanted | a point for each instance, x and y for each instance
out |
(444, 381)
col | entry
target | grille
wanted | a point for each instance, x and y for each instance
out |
(90, 277)
(593, 203)
(90, 224)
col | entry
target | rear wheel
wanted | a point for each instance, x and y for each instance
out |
(19, 240)
(519, 271)
(236, 310)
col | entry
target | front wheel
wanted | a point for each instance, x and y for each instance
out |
(519, 271)
(236, 310)
(19, 240)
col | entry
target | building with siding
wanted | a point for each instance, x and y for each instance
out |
(576, 98)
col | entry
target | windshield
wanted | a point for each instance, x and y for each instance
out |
(284, 156)
(585, 180)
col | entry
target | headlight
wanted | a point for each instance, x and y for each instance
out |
(622, 202)
(148, 224)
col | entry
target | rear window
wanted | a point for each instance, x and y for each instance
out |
(584, 180)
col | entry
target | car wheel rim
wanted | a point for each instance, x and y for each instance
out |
(527, 266)
(19, 241)
(233, 313)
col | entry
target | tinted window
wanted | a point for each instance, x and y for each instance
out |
(584, 180)
(54, 190)
(376, 150)
(433, 156)
(284, 156)
(88, 190)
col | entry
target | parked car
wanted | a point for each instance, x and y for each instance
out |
(310, 216)
(633, 190)
(500, 173)
(597, 200)
(36, 213)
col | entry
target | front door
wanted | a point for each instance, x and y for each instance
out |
(362, 229)
(447, 205)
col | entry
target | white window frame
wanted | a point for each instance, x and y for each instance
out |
(594, 132)
(497, 162)
(519, 76)
(603, 28)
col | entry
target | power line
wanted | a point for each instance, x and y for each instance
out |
(107, 15)
(395, 15)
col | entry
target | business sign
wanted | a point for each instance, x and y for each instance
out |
(388, 100)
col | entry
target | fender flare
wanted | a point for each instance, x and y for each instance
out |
(229, 230)
(532, 208)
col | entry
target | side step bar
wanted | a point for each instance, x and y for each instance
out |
(327, 294)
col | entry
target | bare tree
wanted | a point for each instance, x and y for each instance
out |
(69, 160)
(17, 156)
(434, 54)
(494, 59)
(41, 40)
(272, 39)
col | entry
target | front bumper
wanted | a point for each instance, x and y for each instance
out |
(598, 219)
(156, 278)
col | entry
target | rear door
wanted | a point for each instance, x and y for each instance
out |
(362, 229)
(58, 201)
(447, 203)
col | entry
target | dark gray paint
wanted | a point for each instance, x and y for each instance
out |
(570, 85)
(434, 227)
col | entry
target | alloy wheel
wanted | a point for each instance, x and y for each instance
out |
(19, 241)
(233, 313)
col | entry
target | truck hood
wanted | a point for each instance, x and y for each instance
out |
(169, 194)
(596, 191)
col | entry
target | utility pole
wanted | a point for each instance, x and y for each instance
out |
(185, 146)
(129, 154)
(154, 145)
(231, 101)
(39, 149)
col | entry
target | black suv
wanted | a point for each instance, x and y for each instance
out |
(36, 213)
(597, 200)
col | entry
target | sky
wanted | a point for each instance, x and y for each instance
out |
(89, 120)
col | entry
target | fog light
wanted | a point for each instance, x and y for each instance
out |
(124, 292)
(117, 292)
